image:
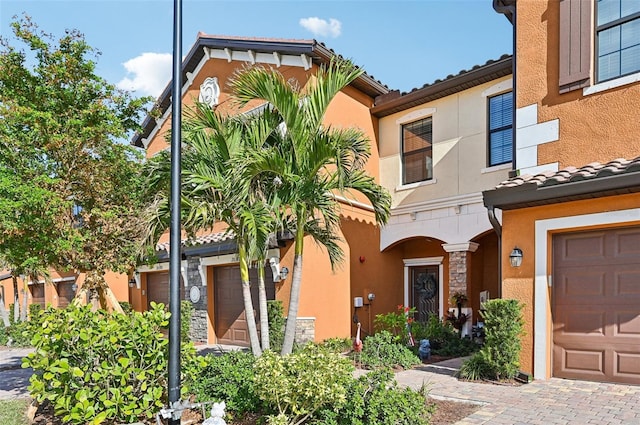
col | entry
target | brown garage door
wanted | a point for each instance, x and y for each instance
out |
(37, 294)
(231, 322)
(158, 288)
(66, 293)
(596, 305)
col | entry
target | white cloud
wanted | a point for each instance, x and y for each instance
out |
(147, 74)
(318, 26)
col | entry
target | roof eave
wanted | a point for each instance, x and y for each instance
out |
(531, 195)
(318, 53)
(447, 87)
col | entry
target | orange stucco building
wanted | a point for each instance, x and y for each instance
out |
(572, 206)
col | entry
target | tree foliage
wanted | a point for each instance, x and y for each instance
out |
(60, 133)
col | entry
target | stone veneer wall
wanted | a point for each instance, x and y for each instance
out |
(305, 330)
(198, 330)
(458, 272)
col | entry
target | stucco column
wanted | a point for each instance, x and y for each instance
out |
(459, 266)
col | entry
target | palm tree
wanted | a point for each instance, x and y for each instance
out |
(314, 162)
(217, 188)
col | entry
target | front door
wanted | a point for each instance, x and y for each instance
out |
(424, 291)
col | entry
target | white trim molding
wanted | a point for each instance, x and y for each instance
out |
(542, 340)
(460, 247)
(426, 261)
(498, 88)
(416, 115)
(611, 84)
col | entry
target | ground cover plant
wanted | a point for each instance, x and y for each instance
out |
(383, 350)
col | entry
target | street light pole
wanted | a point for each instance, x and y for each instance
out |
(175, 231)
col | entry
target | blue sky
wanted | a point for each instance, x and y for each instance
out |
(404, 44)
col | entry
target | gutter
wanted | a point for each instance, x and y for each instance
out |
(497, 227)
(508, 9)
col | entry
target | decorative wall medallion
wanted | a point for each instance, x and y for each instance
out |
(209, 91)
(194, 294)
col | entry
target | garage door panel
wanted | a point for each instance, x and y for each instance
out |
(627, 243)
(591, 323)
(580, 283)
(591, 361)
(627, 364)
(627, 324)
(627, 283)
(584, 247)
(596, 305)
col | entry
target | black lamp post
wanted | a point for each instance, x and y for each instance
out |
(174, 234)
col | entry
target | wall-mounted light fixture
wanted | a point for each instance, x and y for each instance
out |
(515, 258)
(279, 273)
(371, 296)
(132, 282)
(284, 272)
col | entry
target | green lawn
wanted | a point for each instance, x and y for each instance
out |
(12, 412)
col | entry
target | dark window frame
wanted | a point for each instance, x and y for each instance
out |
(491, 131)
(422, 153)
(606, 26)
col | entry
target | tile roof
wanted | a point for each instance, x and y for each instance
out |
(593, 170)
(209, 238)
(395, 101)
(618, 177)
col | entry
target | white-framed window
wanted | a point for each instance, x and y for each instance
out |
(499, 126)
(417, 151)
(617, 38)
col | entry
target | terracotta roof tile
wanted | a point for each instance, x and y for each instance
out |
(590, 171)
(200, 240)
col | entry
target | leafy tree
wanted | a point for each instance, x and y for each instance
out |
(217, 187)
(315, 162)
(59, 134)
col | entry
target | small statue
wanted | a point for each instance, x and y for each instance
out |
(217, 415)
(424, 350)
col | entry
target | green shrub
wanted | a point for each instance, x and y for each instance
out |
(375, 399)
(19, 334)
(475, 369)
(126, 306)
(444, 339)
(186, 312)
(275, 314)
(499, 358)
(228, 377)
(337, 345)
(396, 322)
(297, 385)
(382, 350)
(99, 367)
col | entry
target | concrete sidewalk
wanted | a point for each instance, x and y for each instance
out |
(14, 380)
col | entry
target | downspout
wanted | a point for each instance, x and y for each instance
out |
(510, 13)
(498, 229)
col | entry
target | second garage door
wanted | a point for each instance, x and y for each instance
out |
(158, 289)
(230, 319)
(596, 305)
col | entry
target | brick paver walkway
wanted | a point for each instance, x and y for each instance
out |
(556, 401)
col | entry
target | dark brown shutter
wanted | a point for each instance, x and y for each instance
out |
(575, 44)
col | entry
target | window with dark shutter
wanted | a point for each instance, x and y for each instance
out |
(500, 129)
(575, 44)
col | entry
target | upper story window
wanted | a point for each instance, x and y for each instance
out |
(417, 158)
(618, 38)
(500, 136)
